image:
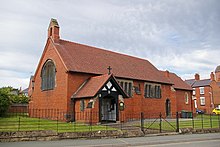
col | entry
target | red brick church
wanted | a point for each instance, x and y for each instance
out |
(79, 78)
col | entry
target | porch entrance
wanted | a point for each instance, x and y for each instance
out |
(108, 109)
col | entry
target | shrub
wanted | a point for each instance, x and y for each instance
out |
(4, 102)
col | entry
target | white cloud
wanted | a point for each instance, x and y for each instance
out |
(183, 37)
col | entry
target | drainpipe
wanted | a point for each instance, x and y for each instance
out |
(211, 93)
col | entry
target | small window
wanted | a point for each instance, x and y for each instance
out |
(121, 84)
(130, 89)
(201, 90)
(202, 101)
(82, 105)
(186, 98)
(127, 86)
(194, 91)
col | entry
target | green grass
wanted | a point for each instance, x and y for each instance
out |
(199, 122)
(10, 124)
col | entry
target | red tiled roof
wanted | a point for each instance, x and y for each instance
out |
(91, 86)
(87, 59)
(178, 82)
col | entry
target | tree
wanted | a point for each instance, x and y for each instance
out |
(4, 101)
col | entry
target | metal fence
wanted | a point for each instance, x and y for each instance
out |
(61, 121)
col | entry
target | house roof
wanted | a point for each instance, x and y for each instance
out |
(93, 85)
(199, 83)
(25, 90)
(178, 82)
(87, 59)
(190, 82)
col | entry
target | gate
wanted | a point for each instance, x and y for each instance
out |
(159, 124)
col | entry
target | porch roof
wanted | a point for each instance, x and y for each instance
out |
(93, 85)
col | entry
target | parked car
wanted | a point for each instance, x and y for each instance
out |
(199, 111)
(216, 111)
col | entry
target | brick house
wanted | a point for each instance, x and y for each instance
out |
(102, 84)
(206, 92)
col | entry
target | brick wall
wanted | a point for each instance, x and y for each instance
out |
(181, 103)
(50, 99)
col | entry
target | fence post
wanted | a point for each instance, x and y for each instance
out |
(90, 120)
(142, 122)
(19, 123)
(39, 123)
(193, 125)
(177, 122)
(57, 125)
(160, 123)
(218, 121)
(202, 120)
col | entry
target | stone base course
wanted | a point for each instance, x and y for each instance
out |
(51, 135)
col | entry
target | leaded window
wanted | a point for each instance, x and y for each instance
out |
(127, 86)
(152, 91)
(48, 75)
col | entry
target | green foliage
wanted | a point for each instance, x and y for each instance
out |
(4, 101)
(9, 95)
(19, 99)
(14, 95)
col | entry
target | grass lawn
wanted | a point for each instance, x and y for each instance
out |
(10, 124)
(199, 122)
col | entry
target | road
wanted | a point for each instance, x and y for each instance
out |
(192, 140)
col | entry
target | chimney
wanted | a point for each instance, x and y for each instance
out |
(212, 76)
(197, 77)
(53, 29)
(167, 73)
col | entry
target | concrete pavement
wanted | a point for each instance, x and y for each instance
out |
(212, 139)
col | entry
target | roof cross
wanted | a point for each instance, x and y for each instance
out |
(109, 70)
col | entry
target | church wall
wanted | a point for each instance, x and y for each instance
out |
(181, 103)
(50, 99)
(150, 106)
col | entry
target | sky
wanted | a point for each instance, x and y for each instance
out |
(182, 36)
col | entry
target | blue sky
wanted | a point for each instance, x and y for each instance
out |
(182, 36)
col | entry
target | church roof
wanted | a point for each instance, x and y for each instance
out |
(93, 85)
(178, 82)
(87, 59)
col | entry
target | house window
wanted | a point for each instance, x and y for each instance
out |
(127, 86)
(152, 91)
(186, 98)
(82, 105)
(201, 90)
(48, 75)
(194, 91)
(202, 101)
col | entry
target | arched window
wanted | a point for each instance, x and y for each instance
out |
(48, 75)
(186, 98)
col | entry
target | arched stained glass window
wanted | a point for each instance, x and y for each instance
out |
(48, 75)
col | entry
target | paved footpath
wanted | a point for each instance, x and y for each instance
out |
(201, 140)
